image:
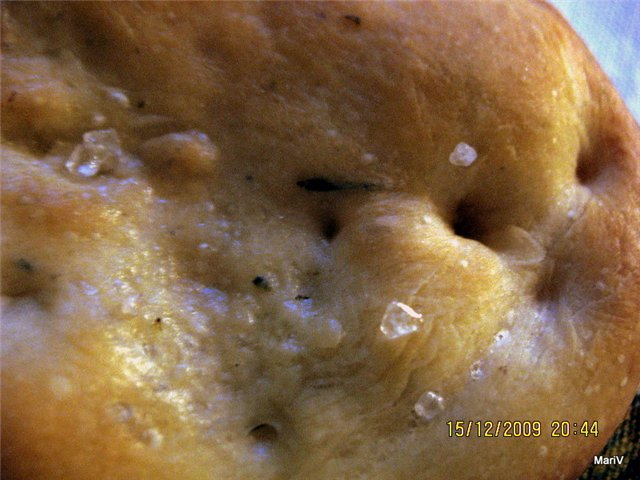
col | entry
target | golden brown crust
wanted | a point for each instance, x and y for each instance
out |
(277, 267)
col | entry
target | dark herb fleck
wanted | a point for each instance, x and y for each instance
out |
(248, 178)
(302, 297)
(12, 96)
(262, 283)
(353, 18)
(141, 104)
(25, 265)
(158, 320)
(319, 184)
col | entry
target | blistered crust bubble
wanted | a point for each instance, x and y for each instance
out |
(293, 240)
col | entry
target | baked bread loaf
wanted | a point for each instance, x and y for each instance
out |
(307, 240)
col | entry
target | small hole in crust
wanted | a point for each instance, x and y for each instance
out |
(588, 169)
(597, 163)
(21, 276)
(264, 433)
(330, 228)
(466, 222)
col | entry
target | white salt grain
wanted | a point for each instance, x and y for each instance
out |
(408, 310)
(399, 320)
(463, 155)
(99, 152)
(368, 158)
(429, 405)
(476, 370)
(119, 97)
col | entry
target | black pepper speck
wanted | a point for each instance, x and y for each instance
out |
(262, 283)
(353, 18)
(25, 265)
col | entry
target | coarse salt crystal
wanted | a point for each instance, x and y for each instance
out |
(119, 96)
(476, 370)
(399, 320)
(463, 155)
(408, 310)
(429, 405)
(99, 152)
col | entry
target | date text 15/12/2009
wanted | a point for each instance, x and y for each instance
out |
(521, 428)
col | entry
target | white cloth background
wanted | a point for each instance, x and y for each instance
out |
(611, 29)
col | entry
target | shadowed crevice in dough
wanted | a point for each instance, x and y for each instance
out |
(590, 168)
(597, 164)
(264, 433)
(330, 228)
(467, 222)
(321, 184)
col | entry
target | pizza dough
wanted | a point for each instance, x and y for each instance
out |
(303, 240)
